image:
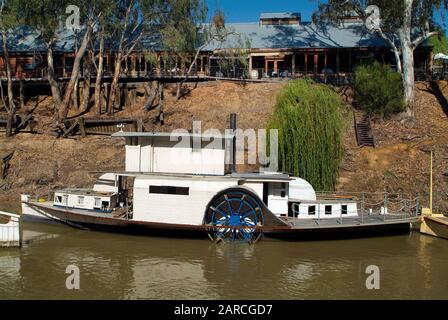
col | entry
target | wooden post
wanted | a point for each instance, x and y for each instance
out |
(82, 127)
(350, 62)
(326, 61)
(64, 75)
(306, 63)
(338, 63)
(21, 95)
(316, 63)
(250, 66)
(293, 65)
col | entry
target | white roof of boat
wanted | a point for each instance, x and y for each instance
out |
(259, 176)
(172, 134)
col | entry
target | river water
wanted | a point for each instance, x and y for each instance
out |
(132, 267)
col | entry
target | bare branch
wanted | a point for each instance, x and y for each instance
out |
(422, 38)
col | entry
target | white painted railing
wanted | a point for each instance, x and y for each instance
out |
(10, 232)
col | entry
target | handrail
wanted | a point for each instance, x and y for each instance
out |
(8, 214)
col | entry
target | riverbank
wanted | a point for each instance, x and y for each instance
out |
(400, 162)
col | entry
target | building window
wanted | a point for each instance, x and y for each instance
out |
(344, 209)
(81, 201)
(98, 202)
(181, 191)
(328, 210)
(312, 210)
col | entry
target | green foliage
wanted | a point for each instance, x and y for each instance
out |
(440, 43)
(378, 89)
(310, 120)
(181, 23)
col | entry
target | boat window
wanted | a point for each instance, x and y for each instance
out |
(59, 199)
(344, 209)
(312, 210)
(98, 202)
(80, 200)
(328, 209)
(104, 205)
(169, 190)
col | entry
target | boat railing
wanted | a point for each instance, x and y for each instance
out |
(381, 206)
(9, 229)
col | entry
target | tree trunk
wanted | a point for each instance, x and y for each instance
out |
(407, 57)
(12, 106)
(75, 95)
(22, 95)
(160, 116)
(55, 91)
(114, 85)
(179, 90)
(151, 92)
(99, 74)
(85, 103)
(64, 107)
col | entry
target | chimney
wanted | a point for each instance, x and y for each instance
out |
(233, 143)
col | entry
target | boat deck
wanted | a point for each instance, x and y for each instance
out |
(96, 214)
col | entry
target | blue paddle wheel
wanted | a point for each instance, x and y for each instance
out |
(234, 215)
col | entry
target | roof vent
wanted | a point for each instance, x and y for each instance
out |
(282, 18)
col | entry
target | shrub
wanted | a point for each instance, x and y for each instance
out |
(309, 118)
(379, 90)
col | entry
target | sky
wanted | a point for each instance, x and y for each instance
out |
(250, 10)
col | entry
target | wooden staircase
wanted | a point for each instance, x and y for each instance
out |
(363, 128)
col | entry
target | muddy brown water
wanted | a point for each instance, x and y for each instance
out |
(133, 267)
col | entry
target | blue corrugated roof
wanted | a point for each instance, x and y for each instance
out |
(304, 35)
(298, 36)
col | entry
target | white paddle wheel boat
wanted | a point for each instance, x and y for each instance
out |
(170, 188)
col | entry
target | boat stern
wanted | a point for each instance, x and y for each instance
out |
(29, 213)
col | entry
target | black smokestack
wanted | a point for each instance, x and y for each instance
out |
(233, 144)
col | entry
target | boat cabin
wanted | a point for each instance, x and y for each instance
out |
(83, 199)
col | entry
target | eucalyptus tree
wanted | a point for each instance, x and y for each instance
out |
(105, 11)
(403, 24)
(44, 16)
(8, 22)
(133, 18)
(187, 33)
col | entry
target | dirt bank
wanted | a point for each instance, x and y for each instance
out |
(399, 163)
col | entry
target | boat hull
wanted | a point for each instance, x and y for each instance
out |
(436, 225)
(287, 232)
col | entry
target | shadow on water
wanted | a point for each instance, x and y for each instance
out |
(132, 267)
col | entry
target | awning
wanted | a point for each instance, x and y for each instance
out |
(441, 56)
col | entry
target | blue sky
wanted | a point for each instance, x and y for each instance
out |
(249, 10)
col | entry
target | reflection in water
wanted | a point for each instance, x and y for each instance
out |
(128, 267)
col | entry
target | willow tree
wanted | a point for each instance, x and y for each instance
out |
(8, 22)
(309, 119)
(403, 24)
